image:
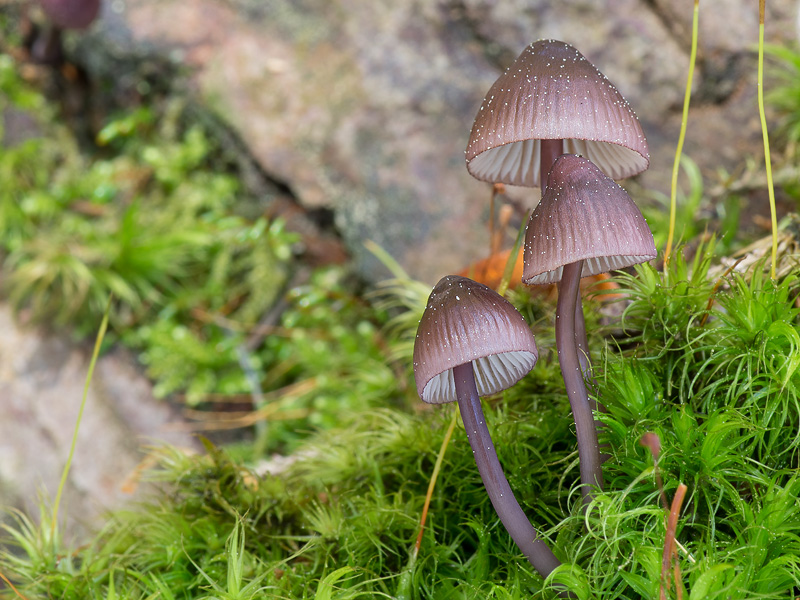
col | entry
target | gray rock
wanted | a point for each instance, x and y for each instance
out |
(365, 107)
(42, 378)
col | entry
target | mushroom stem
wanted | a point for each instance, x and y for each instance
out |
(550, 151)
(588, 447)
(581, 339)
(47, 48)
(503, 500)
(582, 347)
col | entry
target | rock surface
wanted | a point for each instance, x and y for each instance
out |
(366, 107)
(42, 378)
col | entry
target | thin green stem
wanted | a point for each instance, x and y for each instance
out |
(388, 261)
(673, 195)
(765, 135)
(95, 353)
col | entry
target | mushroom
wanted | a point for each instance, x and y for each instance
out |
(552, 100)
(585, 224)
(71, 14)
(63, 14)
(472, 342)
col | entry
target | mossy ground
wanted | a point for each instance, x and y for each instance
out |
(719, 387)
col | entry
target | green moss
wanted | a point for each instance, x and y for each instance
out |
(341, 521)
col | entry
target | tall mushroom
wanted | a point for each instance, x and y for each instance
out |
(552, 100)
(585, 224)
(472, 342)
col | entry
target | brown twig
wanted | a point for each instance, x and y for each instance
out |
(670, 551)
(11, 585)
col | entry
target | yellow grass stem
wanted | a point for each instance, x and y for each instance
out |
(98, 342)
(765, 135)
(682, 136)
(432, 483)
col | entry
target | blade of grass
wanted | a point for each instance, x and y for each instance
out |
(432, 484)
(95, 353)
(765, 135)
(326, 585)
(512, 258)
(681, 137)
(715, 289)
(652, 442)
(388, 261)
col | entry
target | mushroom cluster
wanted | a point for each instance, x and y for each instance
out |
(585, 224)
(551, 120)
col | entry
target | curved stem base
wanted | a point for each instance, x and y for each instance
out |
(588, 447)
(503, 500)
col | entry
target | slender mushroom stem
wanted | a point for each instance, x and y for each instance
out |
(47, 48)
(582, 347)
(550, 151)
(588, 447)
(582, 342)
(503, 500)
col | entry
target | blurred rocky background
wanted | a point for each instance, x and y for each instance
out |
(364, 108)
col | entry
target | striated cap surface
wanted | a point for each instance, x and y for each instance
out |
(583, 215)
(550, 92)
(466, 321)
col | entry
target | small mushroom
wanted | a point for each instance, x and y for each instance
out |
(71, 14)
(471, 342)
(46, 47)
(585, 224)
(552, 100)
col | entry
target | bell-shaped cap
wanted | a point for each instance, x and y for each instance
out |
(467, 321)
(71, 14)
(583, 215)
(552, 92)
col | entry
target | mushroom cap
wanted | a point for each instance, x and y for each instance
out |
(551, 92)
(583, 215)
(466, 321)
(71, 14)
